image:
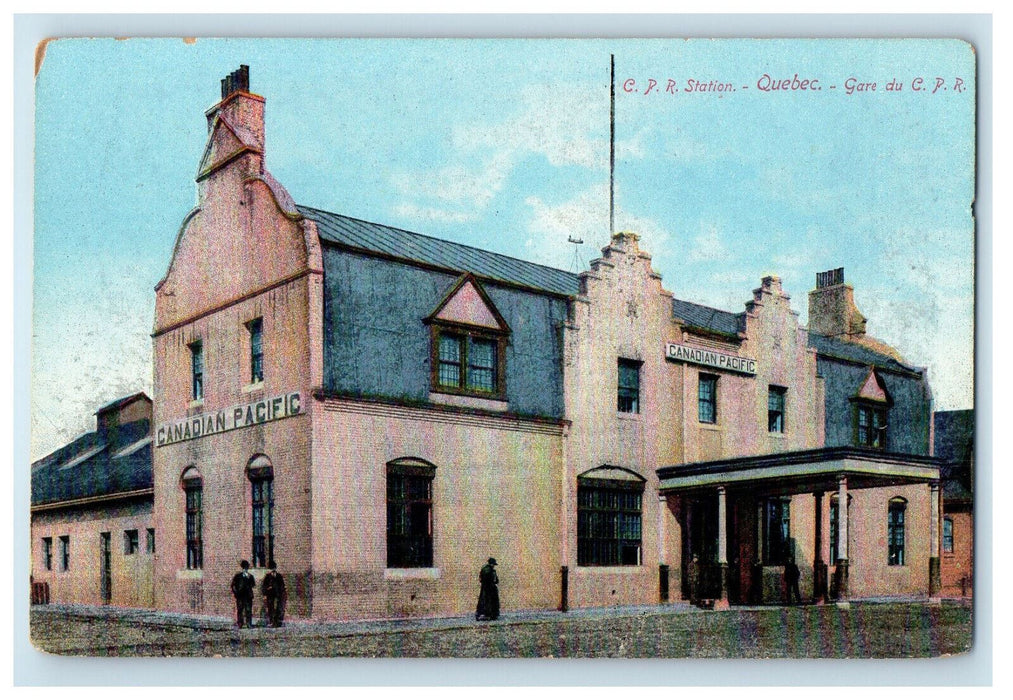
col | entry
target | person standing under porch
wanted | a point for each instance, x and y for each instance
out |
(791, 576)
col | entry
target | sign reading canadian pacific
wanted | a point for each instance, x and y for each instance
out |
(227, 419)
(710, 358)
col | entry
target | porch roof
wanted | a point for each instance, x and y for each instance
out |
(804, 471)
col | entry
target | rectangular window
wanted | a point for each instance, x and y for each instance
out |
(707, 398)
(450, 360)
(608, 522)
(64, 552)
(629, 386)
(197, 369)
(467, 363)
(47, 553)
(194, 523)
(777, 532)
(409, 516)
(775, 409)
(948, 535)
(895, 532)
(482, 364)
(130, 542)
(263, 520)
(151, 541)
(256, 327)
(871, 426)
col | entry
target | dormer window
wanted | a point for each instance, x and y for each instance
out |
(468, 361)
(468, 343)
(871, 405)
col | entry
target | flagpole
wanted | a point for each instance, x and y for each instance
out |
(612, 150)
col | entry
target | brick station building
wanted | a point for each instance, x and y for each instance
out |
(380, 411)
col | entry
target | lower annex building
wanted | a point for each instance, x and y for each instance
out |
(92, 539)
(380, 411)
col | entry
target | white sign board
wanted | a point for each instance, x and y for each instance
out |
(710, 358)
(243, 416)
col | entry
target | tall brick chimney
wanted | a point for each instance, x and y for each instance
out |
(235, 129)
(832, 309)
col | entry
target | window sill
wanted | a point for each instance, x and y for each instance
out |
(468, 401)
(638, 569)
(196, 403)
(189, 574)
(715, 427)
(628, 415)
(777, 436)
(256, 386)
(430, 573)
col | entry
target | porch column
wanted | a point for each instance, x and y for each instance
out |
(722, 601)
(841, 573)
(819, 567)
(935, 582)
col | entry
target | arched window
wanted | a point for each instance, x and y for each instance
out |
(193, 487)
(260, 471)
(895, 531)
(410, 513)
(609, 517)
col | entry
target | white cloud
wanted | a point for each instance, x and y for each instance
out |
(708, 246)
(585, 217)
(445, 216)
(561, 125)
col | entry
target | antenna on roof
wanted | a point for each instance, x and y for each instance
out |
(575, 264)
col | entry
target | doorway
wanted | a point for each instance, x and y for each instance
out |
(105, 567)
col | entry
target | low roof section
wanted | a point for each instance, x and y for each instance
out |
(102, 465)
(954, 447)
(803, 471)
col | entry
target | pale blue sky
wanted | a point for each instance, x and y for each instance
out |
(504, 145)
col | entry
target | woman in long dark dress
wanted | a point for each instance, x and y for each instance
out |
(488, 595)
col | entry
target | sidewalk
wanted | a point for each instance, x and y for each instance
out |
(304, 627)
(157, 618)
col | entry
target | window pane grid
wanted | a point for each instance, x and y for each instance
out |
(609, 525)
(628, 400)
(409, 520)
(450, 360)
(194, 526)
(775, 409)
(947, 535)
(482, 364)
(895, 534)
(197, 369)
(707, 399)
(256, 351)
(262, 491)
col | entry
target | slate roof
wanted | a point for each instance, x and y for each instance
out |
(95, 464)
(835, 347)
(954, 446)
(398, 243)
(706, 317)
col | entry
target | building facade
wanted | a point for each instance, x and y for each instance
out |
(92, 539)
(954, 446)
(379, 412)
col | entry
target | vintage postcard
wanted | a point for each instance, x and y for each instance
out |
(531, 348)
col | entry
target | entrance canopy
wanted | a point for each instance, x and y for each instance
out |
(805, 471)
